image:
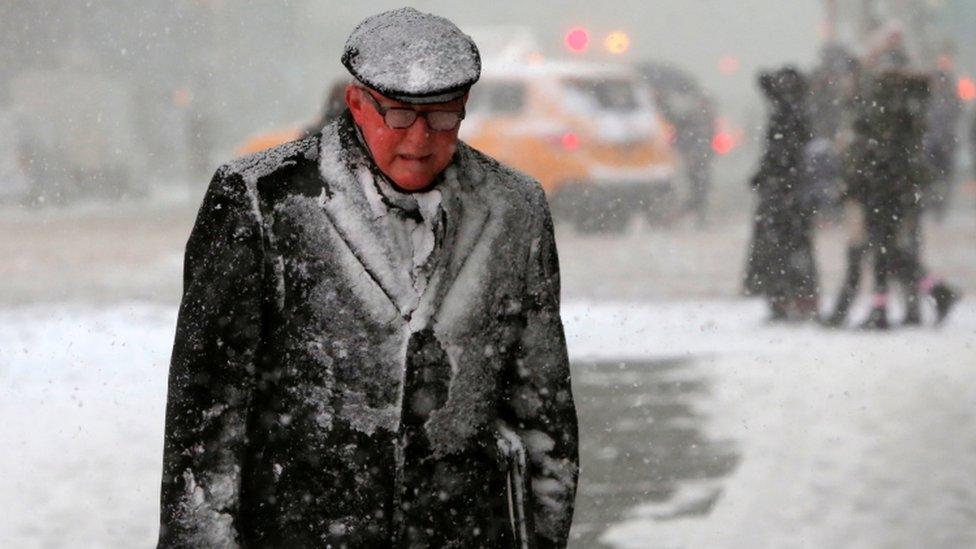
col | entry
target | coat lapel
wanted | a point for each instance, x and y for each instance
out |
(342, 163)
(467, 212)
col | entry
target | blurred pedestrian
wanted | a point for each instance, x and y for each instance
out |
(833, 88)
(690, 112)
(824, 188)
(887, 173)
(369, 351)
(693, 121)
(832, 85)
(781, 264)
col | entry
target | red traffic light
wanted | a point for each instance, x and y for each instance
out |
(578, 39)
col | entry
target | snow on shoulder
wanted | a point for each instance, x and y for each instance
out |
(262, 163)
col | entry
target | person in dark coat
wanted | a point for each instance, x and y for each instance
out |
(369, 351)
(691, 113)
(832, 84)
(781, 262)
(887, 175)
(693, 118)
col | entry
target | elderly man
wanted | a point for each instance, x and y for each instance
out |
(369, 351)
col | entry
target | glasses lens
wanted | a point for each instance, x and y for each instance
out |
(399, 119)
(443, 120)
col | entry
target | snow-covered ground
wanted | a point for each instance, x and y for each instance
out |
(82, 397)
(701, 426)
(844, 439)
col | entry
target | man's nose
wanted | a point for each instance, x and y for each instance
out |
(418, 131)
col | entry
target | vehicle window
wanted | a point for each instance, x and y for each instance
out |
(497, 98)
(682, 104)
(606, 95)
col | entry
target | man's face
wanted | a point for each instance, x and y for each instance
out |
(411, 157)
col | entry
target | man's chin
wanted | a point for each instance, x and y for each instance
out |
(412, 182)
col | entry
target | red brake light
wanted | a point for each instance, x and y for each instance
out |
(966, 88)
(578, 39)
(570, 141)
(722, 143)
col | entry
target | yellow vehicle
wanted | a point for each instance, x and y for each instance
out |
(589, 133)
(335, 103)
(267, 140)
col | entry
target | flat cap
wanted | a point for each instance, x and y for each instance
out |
(413, 57)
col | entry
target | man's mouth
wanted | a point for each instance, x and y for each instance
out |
(415, 157)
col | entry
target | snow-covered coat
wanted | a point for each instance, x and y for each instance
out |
(781, 262)
(309, 407)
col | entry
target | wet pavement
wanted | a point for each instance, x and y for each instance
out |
(644, 442)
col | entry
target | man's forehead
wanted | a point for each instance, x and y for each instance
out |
(390, 102)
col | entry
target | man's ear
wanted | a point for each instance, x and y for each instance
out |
(354, 100)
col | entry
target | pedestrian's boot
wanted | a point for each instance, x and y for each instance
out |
(945, 298)
(836, 319)
(852, 282)
(778, 311)
(913, 313)
(877, 320)
(805, 308)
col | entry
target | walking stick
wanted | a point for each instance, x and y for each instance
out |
(512, 448)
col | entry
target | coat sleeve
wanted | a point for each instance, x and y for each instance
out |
(211, 376)
(539, 399)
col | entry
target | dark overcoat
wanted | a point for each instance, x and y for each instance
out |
(781, 262)
(314, 403)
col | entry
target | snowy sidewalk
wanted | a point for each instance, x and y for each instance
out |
(846, 439)
(822, 439)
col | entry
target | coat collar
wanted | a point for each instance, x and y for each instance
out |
(343, 164)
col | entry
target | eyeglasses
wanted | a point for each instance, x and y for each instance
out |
(401, 119)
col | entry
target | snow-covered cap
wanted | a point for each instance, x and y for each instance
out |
(413, 57)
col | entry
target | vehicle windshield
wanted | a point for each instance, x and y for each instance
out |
(590, 94)
(496, 98)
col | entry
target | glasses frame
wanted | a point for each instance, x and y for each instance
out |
(382, 110)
